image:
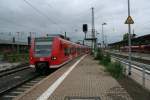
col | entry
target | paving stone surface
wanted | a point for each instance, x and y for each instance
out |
(89, 79)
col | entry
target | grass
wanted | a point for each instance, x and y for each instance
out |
(99, 55)
(114, 68)
(15, 57)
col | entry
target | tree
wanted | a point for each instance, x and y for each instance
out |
(125, 36)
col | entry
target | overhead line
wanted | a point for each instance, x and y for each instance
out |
(11, 22)
(41, 13)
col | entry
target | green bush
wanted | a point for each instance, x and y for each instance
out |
(105, 60)
(115, 69)
(99, 55)
(16, 57)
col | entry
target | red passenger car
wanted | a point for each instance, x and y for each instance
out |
(53, 51)
(139, 48)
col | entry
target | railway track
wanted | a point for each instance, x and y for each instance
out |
(145, 61)
(139, 66)
(7, 72)
(20, 88)
(19, 85)
(12, 80)
(13, 70)
(14, 84)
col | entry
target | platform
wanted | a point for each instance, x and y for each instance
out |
(84, 78)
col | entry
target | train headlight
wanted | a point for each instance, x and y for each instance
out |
(53, 58)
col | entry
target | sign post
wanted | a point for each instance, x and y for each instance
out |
(129, 21)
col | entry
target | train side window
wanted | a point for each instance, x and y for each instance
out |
(78, 50)
(72, 50)
(66, 51)
(61, 45)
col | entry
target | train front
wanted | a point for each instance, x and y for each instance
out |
(40, 53)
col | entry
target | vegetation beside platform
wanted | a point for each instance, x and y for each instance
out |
(17, 57)
(136, 91)
(114, 68)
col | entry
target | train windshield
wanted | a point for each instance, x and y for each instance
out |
(43, 47)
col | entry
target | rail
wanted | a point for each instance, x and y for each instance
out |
(17, 85)
(13, 70)
(138, 59)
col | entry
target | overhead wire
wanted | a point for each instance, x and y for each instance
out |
(11, 22)
(50, 6)
(41, 13)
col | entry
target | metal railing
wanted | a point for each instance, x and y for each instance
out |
(144, 68)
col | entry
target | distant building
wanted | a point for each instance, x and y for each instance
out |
(141, 40)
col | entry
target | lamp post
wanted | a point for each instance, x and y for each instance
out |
(18, 48)
(103, 33)
(105, 39)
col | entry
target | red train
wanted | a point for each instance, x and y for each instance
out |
(140, 48)
(53, 51)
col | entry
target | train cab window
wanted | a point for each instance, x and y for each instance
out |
(43, 47)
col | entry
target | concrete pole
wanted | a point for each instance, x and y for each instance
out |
(102, 35)
(18, 43)
(65, 35)
(103, 40)
(93, 31)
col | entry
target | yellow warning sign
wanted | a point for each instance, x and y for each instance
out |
(129, 20)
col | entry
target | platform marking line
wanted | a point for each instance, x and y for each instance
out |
(16, 92)
(53, 87)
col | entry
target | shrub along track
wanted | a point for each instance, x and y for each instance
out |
(136, 91)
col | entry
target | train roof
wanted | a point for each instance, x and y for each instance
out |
(58, 35)
(62, 37)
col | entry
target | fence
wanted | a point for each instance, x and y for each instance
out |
(140, 71)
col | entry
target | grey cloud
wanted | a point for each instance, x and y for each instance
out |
(59, 16)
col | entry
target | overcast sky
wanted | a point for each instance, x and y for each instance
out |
(58, 16)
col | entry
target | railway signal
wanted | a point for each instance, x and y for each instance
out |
(85, 29)
(13, 39)
(29, 40)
